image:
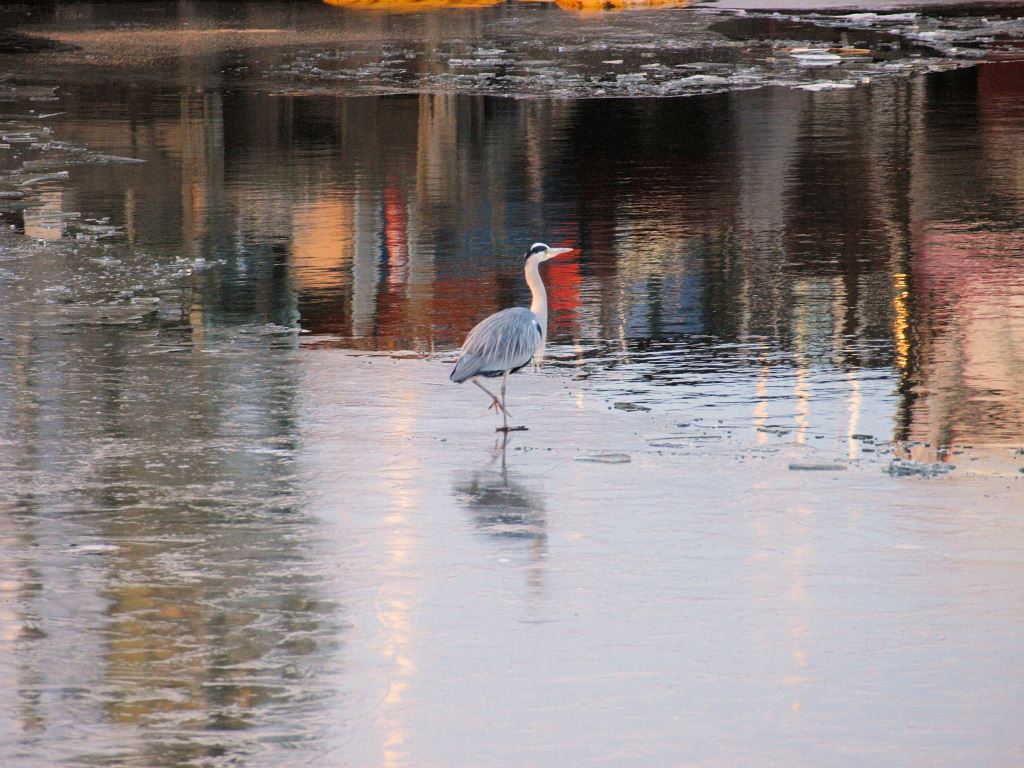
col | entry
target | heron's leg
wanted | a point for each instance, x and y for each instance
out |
(505, 414)
(495, 402)
(504, 411)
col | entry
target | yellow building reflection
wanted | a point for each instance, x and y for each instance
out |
(321, 243)
(45, 221)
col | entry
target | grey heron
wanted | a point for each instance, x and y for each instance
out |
(507, 340)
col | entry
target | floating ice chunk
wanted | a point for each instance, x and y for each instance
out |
(42, 164)
(92, 549)
(103, 314)
(886, 17)
(116, 160)
(97, 231)
(901, 468)
(702, 80)
(825, 85)
(59, 176)
(777, 431)
(630, 407)
(475, 63)
(816, 466)
(606, 458)
(679, 441)
(56, 215)
(20, 138)
(815, 57)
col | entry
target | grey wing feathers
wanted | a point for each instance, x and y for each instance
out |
(502, 342)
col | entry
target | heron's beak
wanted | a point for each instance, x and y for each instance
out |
(552, 252)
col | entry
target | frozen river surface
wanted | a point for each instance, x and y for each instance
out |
(769, 509)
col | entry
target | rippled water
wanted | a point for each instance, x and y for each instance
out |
(742, 245)
(223, 538)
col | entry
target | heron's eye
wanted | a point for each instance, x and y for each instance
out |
(537, 249)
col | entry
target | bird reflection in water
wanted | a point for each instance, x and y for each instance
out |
(505, 507)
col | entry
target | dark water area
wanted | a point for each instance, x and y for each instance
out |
(241, 525)
(873, 233)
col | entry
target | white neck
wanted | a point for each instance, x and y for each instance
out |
(539, 305)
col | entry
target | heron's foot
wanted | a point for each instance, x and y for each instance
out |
(506, 430)
(498, 407)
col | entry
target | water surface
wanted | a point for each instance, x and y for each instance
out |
(229, 540)
(772, 245)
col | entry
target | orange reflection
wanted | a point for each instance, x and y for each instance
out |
(321, 243)
(410, 6)
(597, 6)
(44, 222)
(396, 225)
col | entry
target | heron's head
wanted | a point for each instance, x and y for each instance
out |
(542, 252)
